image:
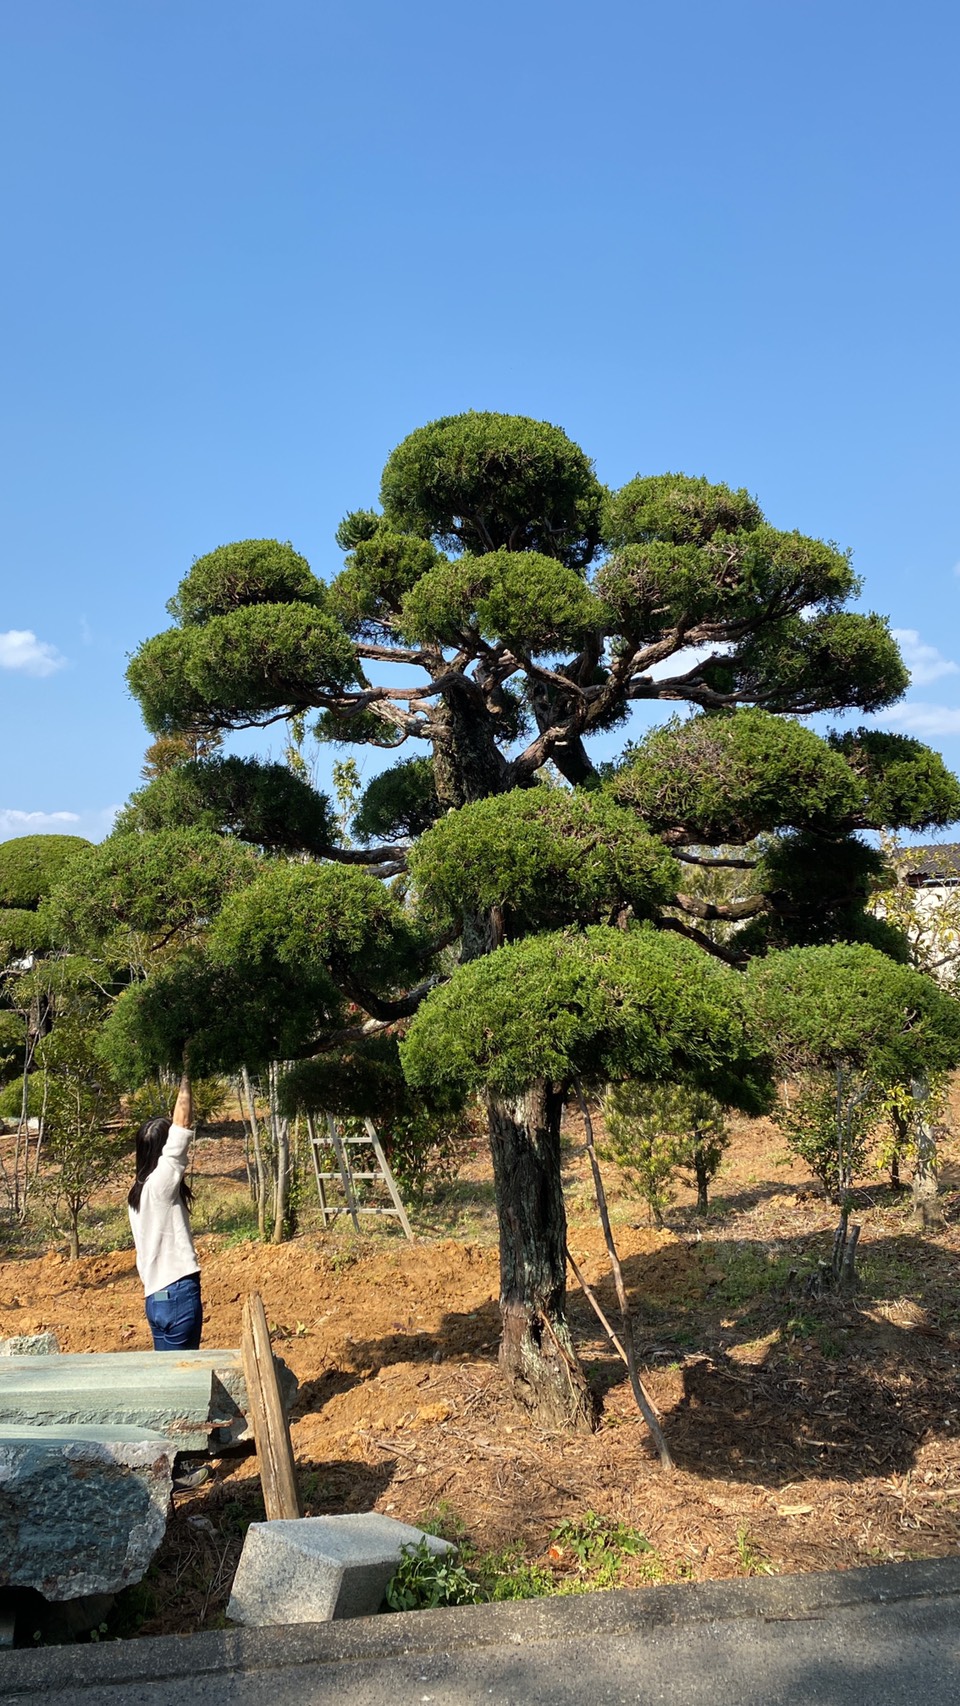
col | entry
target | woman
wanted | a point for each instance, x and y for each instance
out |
(159, 1208)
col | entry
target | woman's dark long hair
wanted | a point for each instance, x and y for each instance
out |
(150, 1141)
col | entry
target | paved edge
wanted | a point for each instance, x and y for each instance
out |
(785, 1599)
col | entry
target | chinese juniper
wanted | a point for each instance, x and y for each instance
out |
(529, 608)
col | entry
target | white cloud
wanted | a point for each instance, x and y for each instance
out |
(93, 824)
(919, 718)
(35, 823)
(20, 649)
(924, 662)
(680, 662)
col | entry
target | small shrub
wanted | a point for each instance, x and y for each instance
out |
(423, 1580)
(828, 1130)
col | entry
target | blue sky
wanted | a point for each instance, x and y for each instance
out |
(249, 246)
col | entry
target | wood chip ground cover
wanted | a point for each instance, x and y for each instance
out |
(808, 1434)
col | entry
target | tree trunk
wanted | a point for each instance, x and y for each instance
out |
(702, 1177)
(901, 1137)
(261, 1196)
(467, 763)
(925, 1184)
(73, 1236)
(536, 1352)
(280, 1130)
(570, 756)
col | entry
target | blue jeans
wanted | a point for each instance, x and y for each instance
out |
(175, 1315)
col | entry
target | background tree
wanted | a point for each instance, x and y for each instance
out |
(84, 1139)
(30, 866)
(529, 609)
(928, 919)
(652, 1130)
(852, 1015)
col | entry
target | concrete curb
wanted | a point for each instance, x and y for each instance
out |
(778, 1599)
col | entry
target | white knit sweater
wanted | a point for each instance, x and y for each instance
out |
(161, 1225)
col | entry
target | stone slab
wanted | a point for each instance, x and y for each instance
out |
(185, 1395)
(82, 1509)
(320, 1567)
(30, 1345)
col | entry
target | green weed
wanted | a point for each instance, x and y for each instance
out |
(507, 1575)
(442, 1520)
(600, 1548)
(749, 1274)
(752, 1560)
(423, 1580)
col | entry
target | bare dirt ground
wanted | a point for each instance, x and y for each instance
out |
(809, 1434)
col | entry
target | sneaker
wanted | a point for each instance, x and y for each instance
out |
(186, 1480)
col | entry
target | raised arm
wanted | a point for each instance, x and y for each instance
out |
(183, 1108)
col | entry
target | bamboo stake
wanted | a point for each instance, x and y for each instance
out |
(598, 1312)
(644, 1404)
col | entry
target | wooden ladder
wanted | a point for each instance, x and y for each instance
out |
(335, 1139)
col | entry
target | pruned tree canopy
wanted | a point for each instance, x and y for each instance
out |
(601, 1005)
(906, 784)
(229, 1019)
(299, 916)
(847, 1005)
(253, 571)
(487, 482)
(542, 857)
(400, 802)
(265, 804)
(30, 865)
(730, 777)
(165, 884)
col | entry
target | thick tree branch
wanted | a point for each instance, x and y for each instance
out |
(702, 940)
(750, 907)
(394, 654)
(714, 864)
(382, 1007)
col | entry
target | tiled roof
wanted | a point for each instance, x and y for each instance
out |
(939, 859)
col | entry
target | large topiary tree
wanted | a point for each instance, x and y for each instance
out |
(528, 609)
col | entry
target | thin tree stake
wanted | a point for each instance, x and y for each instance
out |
(644, 1404)
(598, 1312)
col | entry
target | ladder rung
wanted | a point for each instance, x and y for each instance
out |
(361, 1209)
(335, 1179)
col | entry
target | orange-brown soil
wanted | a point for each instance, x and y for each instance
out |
(808, 1433)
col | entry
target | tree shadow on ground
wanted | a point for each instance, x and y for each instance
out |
(778, 1383)
(473, 1333)
(758, 1378)
(683, 1217)
(312, 1395)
